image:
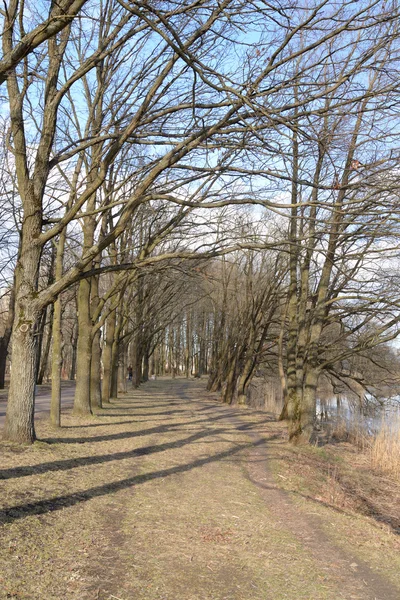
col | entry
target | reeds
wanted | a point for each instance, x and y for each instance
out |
(385, 448)
(381, 446)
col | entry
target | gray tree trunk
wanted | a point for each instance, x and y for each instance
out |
(107, 357)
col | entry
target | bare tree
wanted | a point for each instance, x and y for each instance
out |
(198, 119)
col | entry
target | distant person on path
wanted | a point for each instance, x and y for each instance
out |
(130, 373)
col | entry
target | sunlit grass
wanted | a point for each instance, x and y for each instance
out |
(385, 448)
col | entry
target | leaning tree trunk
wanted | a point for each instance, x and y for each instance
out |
(39, 341)
(245, 380)
(47, 317)
(44, 358)
(229, 390)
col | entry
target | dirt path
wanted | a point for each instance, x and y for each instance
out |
(167, 495)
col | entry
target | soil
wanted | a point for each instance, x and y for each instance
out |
(168, 495)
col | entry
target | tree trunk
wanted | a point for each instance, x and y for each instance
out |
(284, 415)
(303, 428)
(214, 382)
(39, 341)
(44, 359)
(84, 351)
(95, 372)
(162, 358)
(19, 425)
(229, 391)
(5, 339)
(122, 385)
(3, 360)
(107, 357)
(72, 373)
(177, 347)
(171, 366)
(146, 361)
(202, 346)
(152, 369)
(245, 380)
(55, 404)
(56, 364)
(114, 371)
(188, 349)
(137, 359)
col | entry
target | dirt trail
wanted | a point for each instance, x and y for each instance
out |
(168, 495)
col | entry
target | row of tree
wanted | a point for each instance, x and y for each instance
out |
(132, 132)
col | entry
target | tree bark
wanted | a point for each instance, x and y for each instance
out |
(84, 351)
(95, 372)
(230, 385)
(19, 424)
(55, 404)
(136, 361)
(188, 346)
(122, 369)
(114, 370)
(107, 357)
(146, 365)
(74, 345)
(5, 339)
(44, 358)
(245, 380)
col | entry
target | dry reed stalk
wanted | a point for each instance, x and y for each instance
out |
(385, 449)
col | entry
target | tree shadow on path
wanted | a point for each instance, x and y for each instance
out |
(65, 465)
(42, 507)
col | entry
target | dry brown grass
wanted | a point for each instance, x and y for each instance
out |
(152, 500)
(385, 449)
(147, 501)
(352, 431)
(382, 449)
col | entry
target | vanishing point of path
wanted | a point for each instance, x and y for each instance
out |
(168, 495)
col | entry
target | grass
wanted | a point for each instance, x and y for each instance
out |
(357, 505)
(161, 497)
(385, 449)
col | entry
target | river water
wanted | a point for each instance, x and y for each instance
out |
(370, 418)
